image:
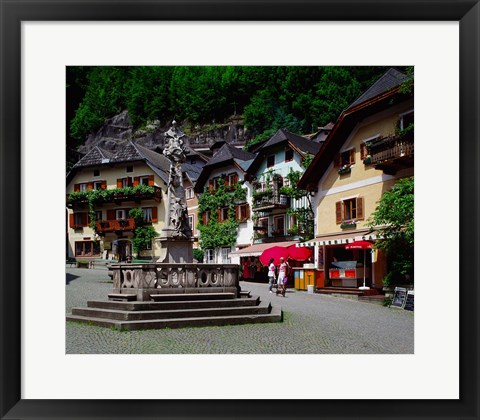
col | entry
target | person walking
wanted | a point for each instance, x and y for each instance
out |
(271, 274)
(282, 277)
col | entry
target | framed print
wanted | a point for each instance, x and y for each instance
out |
(39, 39)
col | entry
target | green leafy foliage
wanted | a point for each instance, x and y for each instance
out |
(394, 220)
(144, 234)
(216, 234)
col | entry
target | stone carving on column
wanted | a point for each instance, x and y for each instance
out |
(177, 206)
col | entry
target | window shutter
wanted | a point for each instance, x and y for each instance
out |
(90, 186)
(338, 211)
(237, 212)
(72, 221)
(210, 185)
(151, 181)
(248, 211)
(218, 215)
(204, 219)
(352, 155)
(129, 181)
(76, 187)
(136, 181)
(111, 215)
(337, 160)
(363, 151)
(84, 219)
(235, 179)
(360, 208)
(104, 185)
(154, 214)
(119, 183)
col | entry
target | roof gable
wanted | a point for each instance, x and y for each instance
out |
(96, 156)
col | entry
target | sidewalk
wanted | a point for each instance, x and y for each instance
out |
(313, 324)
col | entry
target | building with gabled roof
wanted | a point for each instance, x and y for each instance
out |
(132, 177)
(370, 147)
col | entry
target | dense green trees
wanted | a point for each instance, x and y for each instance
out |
(298, 98)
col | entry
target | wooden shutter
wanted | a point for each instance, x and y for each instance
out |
(237, 212)
(111, 215)
(248, 211)
(363, 151)
(210, 185)
(352, 155)
(72, 221)
(76, 188)
(90, 186)
(154, 215)
(218, 215)
(235, 179)
(337, 160)
(119, 183)
(360, 208)
(84, 219)
(151, 181)
(104, 185)
(339, 211)
(129, 181)
(136, 181)
(204, 218)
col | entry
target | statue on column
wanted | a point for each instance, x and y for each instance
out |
(177, 207)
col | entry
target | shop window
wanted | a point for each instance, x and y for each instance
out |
(288, 155)
(87, 249)
(270, 161)
(349, 210)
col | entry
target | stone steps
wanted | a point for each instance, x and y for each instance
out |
(275, 315)
(181, 304)
(177, 310)
(170, 314)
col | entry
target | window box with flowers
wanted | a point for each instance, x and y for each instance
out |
(345, 169)
(367, 160)
(348, 224)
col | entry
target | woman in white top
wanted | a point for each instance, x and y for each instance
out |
(271, 274)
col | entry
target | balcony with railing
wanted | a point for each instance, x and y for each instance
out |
(266, 200)
(391, 154)
(117, 195)
(123, 225)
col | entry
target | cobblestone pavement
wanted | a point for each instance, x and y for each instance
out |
(313, 324)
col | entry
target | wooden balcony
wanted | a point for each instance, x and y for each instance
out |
(104, 226)
(270, 202)
(392, 154)
(117, 197)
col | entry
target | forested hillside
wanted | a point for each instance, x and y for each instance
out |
(297, 98)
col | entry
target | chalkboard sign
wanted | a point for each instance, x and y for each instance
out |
(399, 297)
(410, 300)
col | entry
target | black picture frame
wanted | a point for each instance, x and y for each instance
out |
(467, 13)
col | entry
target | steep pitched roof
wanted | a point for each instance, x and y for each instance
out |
(226, 155)
(380, 96)
(284, 136)
(391, 79)
(96, 156)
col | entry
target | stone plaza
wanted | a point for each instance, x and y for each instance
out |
(312, 324)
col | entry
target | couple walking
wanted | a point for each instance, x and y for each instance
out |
(283, 270)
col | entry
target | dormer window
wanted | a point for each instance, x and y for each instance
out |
(270, 161)
(288, 155)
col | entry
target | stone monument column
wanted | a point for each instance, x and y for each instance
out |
(176, 238)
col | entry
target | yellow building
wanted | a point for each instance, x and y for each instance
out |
(367, 151)
(133, 177)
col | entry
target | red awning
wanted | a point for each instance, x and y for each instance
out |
(257, 249)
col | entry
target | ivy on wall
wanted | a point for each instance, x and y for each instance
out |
(216, 234)
(144, 234)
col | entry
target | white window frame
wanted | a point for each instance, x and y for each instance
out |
(83, 186)
(400, 118)
(147, 214)
(225, 255)
(97, 185)
(189, 194)
(191, 220)
(141, 179)
(209, 256)
(119, 213)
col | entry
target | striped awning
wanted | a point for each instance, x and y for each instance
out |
(340, 239)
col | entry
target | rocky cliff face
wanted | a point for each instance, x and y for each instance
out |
(117, 130)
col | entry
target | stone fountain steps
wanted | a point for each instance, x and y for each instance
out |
(275, 315)
(172, 305)
(169, 314)
(175, 311)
